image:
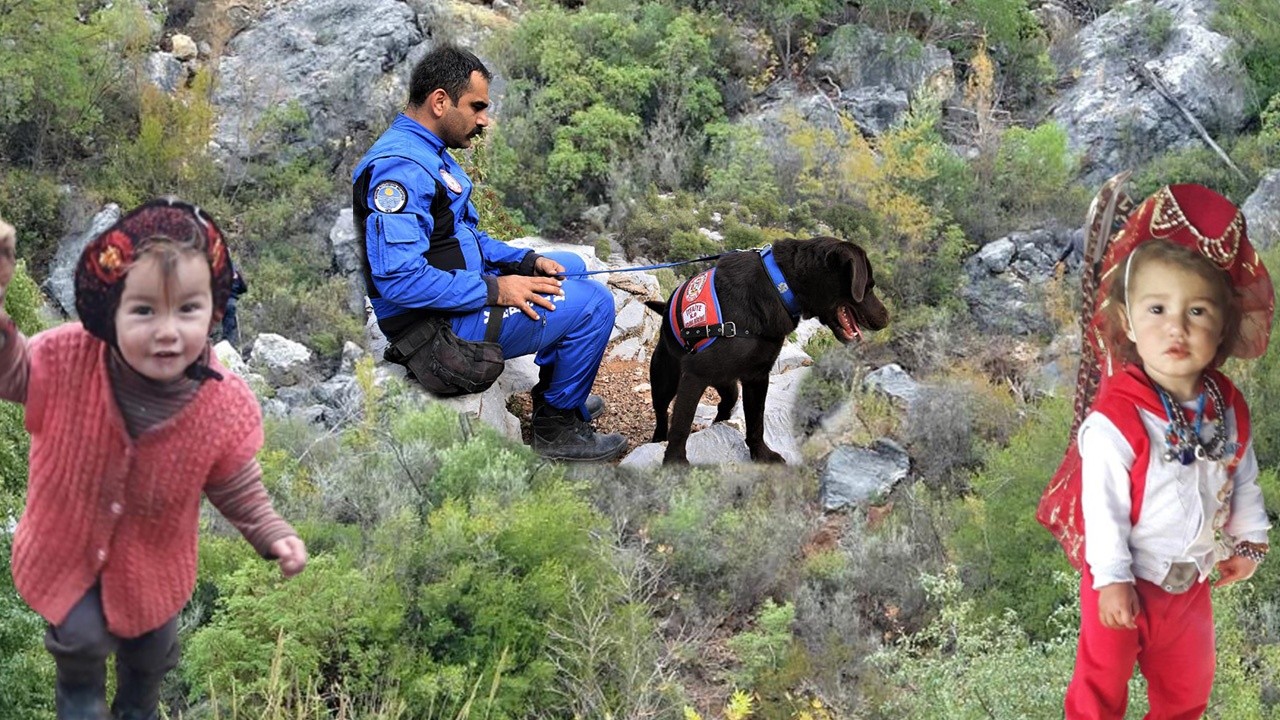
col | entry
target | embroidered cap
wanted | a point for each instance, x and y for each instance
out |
(106, 260)
(1200, 219)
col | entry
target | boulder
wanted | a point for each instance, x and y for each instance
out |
(61, 283)
(165, 71)
(1262, 212)
(1115, 119)
(855, 475)
(893, 381)
(324, 76)
(281, 361)
(878, 76)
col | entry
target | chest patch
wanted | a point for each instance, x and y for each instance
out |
(695, 305)
(451, 182)
(389, 197)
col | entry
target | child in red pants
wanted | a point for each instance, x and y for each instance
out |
(1168, 474)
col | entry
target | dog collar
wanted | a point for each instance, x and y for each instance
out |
(779, 282)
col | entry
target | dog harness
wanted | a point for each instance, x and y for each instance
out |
(694, 311)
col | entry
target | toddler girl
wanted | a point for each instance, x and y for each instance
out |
(131, 418)
(1169, 478)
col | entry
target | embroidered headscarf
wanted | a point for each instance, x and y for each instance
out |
(100, 274)
(1200, 219)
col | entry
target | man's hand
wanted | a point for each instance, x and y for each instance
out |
(547, 266)
(1235, 569)
(291, 552)
(520, 291)
(1118, 606)
(8, 257)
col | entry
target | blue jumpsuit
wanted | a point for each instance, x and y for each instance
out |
(424, 256)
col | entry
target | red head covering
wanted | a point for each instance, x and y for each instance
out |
(106, 260)
(1198, 218)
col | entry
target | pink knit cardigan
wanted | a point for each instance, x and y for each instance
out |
(105, 508)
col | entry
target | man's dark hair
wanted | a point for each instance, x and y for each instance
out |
(448, 68)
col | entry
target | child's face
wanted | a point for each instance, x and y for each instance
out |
(1177, 325)
(162, 323)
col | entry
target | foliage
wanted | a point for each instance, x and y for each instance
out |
(585, 86)
(917, 250)
(32, 202)
(63, 83)
(966, 664)
(1003, 554)
(334, 625)
(730, 537)
(168, 153)
(763, 649)
(1032, 167)
(1255, 26)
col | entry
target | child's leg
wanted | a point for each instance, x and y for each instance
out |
(141, 664)
(1178, 655)
(80, 646)
(1099, 688)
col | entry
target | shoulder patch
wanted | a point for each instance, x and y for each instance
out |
(389, 197)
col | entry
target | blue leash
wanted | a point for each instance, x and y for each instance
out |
(705, 258)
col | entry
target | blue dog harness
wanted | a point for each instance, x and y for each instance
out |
(694, 312)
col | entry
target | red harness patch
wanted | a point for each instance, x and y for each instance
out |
(695, 305)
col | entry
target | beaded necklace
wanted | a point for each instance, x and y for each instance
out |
(1183, 442)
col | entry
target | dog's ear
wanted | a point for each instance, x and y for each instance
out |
(859, 269)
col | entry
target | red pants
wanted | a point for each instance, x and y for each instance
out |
(1173, 646)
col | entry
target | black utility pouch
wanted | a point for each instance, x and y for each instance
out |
(446, 364)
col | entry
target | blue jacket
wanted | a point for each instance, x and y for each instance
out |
(424, 254)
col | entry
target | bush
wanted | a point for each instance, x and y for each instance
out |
(1255, 26)
(732, 538)
(1002, 553)
(32, 202)
(967, 664)
(63, 90)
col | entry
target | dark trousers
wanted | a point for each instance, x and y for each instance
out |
(80, 647)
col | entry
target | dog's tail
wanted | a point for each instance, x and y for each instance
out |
(657, 306)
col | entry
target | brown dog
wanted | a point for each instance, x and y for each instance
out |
(828, 278)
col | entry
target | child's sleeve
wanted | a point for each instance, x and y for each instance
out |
(243, 501)
(1247, 521)
(15, 362)
(1105, 498)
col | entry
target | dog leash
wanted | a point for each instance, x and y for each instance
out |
(659, 266)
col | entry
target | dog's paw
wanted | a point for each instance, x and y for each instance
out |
(766, 455)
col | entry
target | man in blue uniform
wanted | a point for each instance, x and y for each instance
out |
(426, 259)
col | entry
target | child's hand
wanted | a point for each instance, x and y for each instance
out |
(1118, 606)
(8, 255)
(1234, 569)
(292, 554)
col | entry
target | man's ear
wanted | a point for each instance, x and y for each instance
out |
(437, 102)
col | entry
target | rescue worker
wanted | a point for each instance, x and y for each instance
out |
(426, 259)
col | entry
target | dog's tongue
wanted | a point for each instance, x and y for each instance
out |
(850, 326)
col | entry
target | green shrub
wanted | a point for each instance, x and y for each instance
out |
(335, 624)
(64, 90)
(586, 86)
(764, 648)
(967, 664)
(730, 537)
(31, 202)
(1003, 554)
(1255, 26)
(1031, 171)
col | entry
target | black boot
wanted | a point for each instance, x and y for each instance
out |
(137, 694)
(563, 435)
(595, 403)
(80, 702)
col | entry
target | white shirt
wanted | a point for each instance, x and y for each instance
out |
(1176, 518)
